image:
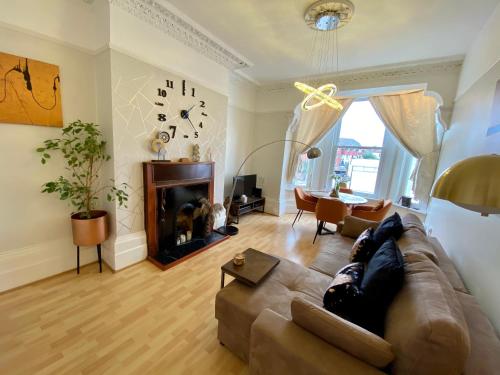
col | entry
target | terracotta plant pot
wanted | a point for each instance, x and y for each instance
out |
(90, 232)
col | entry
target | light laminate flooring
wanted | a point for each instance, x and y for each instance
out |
(139, 320)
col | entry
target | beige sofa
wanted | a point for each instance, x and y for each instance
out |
(433, 327)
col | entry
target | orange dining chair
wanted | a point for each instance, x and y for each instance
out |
(329, 211)
(304, 202)
(372, 213)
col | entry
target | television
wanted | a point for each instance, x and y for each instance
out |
(245, 185)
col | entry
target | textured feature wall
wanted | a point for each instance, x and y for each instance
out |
(135, 123)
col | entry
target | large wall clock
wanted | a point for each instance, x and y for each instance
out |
(194, 109)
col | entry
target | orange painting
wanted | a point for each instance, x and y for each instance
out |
(30, 92)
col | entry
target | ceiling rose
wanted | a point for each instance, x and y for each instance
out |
(326, 15)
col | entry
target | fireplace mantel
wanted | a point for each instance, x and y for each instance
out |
(165, 177)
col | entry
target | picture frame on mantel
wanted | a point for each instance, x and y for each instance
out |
(30, 92)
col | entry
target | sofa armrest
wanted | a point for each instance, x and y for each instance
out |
(341, 333)
(279, 346)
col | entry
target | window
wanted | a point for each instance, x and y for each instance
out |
(360, 148)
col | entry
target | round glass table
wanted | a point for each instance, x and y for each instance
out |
(344, 197)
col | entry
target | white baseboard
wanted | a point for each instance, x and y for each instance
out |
(128, 249)
(38, 261)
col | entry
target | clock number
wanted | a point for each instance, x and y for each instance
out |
(192, 92)
(186, 136)
(159, 104)
(196, 134)
(162, 93)
(202, 104)
(201, 125)
(204, 114)
(183, 87)
(173, 128)
(169, 84)
(162, 117)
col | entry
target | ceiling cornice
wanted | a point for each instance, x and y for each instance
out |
(162, 18)
(387, 73)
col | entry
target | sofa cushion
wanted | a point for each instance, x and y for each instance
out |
(333, 257)
(364, 247)
(343, 294)
(353, 226)
(238, 305)
(411, 221)
(484, 358)
(448, 267)
(426, 318)
(413, 239)
(384, 276)
(341, 333)
(390, 227)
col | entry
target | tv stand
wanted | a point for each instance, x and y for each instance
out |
(239, 208)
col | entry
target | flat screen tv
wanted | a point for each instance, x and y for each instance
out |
(245, 185)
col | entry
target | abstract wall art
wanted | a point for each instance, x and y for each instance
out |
(30, 92)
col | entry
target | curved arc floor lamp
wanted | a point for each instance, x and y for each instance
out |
(312, 153)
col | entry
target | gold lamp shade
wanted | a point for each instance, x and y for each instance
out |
(473, 184)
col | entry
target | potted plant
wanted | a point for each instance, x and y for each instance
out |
(338, 182)
(84, 152)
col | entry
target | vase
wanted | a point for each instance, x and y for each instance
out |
(90, 232)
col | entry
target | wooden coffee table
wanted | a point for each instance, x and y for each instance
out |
(257, 266)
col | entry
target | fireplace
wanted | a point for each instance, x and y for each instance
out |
(178, 199)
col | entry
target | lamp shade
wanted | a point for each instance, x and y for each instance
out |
(472, 183)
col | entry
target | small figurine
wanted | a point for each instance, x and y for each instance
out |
(196, 153)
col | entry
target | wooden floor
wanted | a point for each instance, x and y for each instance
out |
(140, 320)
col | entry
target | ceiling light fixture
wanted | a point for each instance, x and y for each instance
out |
(324, 16)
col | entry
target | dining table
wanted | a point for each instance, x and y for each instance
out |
(348, 199)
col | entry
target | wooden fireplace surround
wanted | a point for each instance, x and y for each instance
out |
(158, 175)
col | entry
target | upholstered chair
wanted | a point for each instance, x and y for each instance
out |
(368, 213)
(329, 211)
(304, 202)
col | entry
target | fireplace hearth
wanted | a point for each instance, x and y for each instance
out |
(178, 199)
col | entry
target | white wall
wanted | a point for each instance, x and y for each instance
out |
(72, 22)
(240, 128)
(35, 230)
(483, 54)
(472, 241)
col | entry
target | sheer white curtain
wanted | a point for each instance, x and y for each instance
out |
(411, 118)
(310, 127)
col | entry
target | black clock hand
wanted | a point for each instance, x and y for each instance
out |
(190, 109)
(191, 124)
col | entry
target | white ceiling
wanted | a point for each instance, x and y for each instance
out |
(273, 36)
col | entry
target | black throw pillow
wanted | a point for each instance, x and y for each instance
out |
(343, 295)
(390, 227)
(383, 278)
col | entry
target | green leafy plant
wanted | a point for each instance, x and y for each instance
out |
(84, 153)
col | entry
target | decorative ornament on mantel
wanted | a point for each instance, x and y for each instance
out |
(324, 16)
